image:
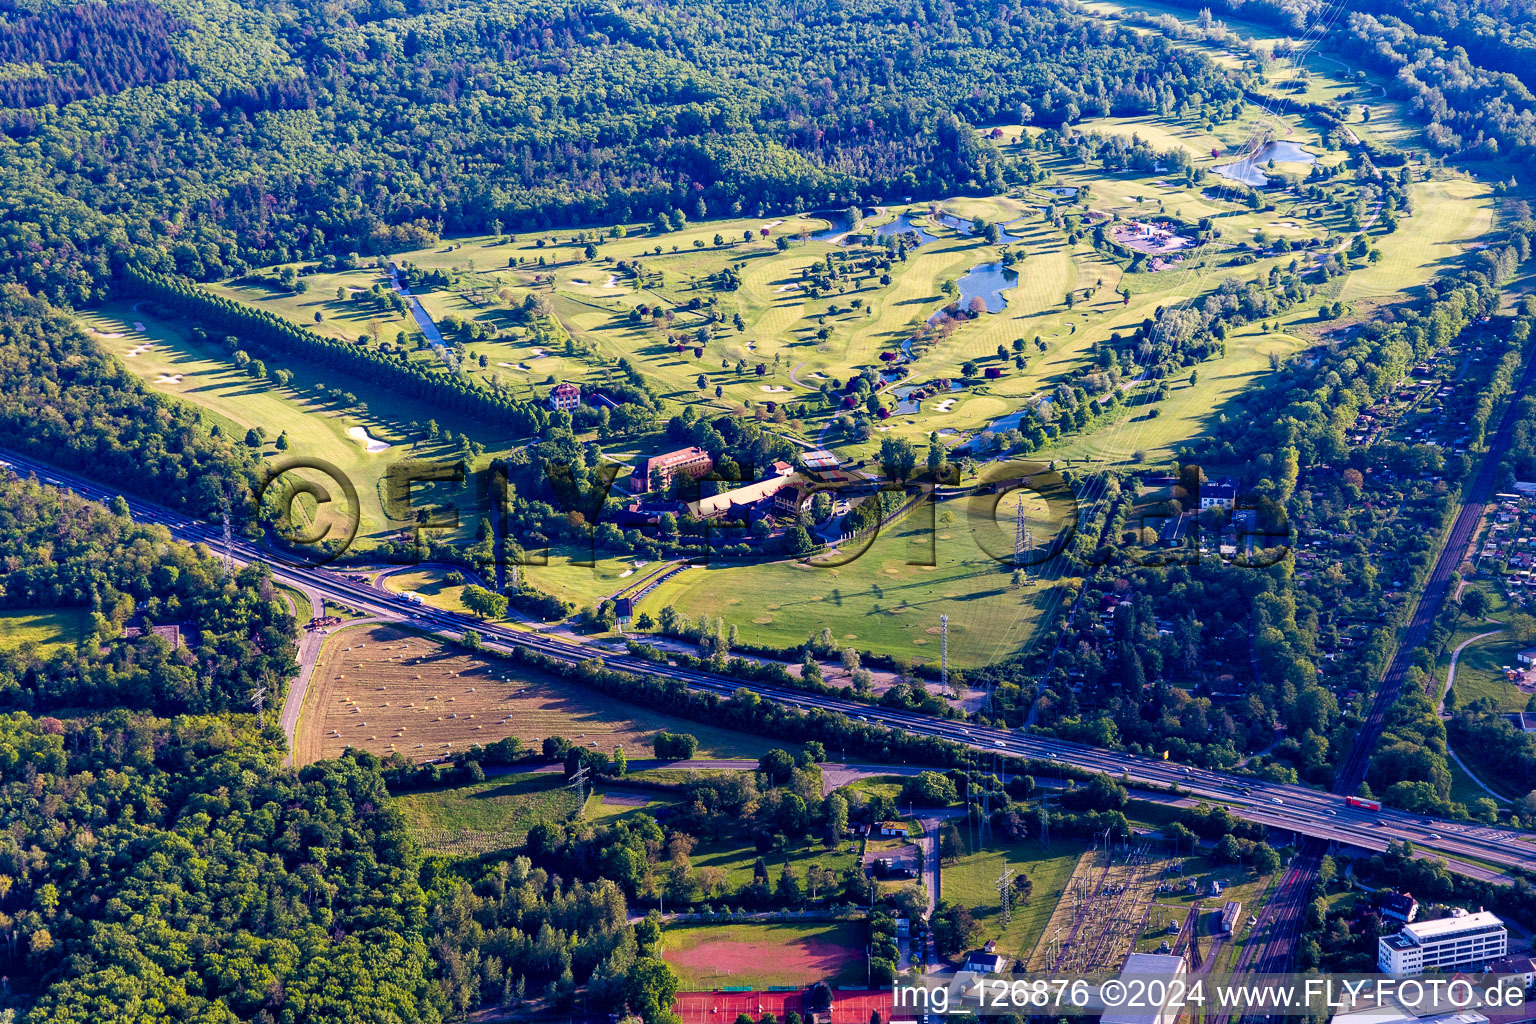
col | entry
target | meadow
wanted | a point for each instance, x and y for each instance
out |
(388, 691)
(62, 627)
(888, 598)
(972, 882)
(483, 817)
(1480, 672)
(736, 857)
(1480, 667)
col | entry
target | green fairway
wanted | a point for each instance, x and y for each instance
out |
(344, 319)
(1448, 217)
(972, 882)
(360, 441)
(885, 599)
(63, 627)
(751, 316)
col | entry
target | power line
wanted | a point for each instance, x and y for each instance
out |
(1005, 890)
(579, 784)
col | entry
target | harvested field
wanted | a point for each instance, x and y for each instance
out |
(389, 691)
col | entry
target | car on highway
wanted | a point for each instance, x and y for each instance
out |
(1277, 800)
(1434, 835)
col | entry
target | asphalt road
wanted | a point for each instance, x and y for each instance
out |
(1289, 807)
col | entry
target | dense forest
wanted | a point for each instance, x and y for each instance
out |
(64, 400)
(296, 129)
(172, 869)
(234, 632)
(1464, 69)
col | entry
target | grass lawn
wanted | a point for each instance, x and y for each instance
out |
(972, 881)
(1464, 790)
(430, 584)
(1480, 671)
(583, 576)
(613, 804)
(880, 785)
(486, 816)
(714, 956)
(49, 630)
(735, 857)
(1151, 813)
(168, 360)
(879, 601)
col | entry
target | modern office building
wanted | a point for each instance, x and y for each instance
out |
(1461, 940)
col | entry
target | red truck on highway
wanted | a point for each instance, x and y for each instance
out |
(1362, 803)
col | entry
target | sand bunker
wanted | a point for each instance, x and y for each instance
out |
(772, 388)
(373, 444)
(168, 378)
(138, 350)
(138, 327)
(945, 406)
(785, 288)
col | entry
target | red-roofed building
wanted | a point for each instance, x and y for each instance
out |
(565, 396)
(693, 461)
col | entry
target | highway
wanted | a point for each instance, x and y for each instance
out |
(1292, 808)
(1281, 920)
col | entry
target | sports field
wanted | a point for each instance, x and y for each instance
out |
(388, 691)
(789, 953)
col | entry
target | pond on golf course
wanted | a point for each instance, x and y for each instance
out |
(1248, 171)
